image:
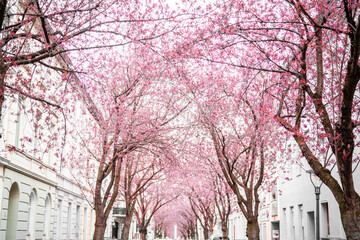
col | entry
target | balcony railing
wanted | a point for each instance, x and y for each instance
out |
(119, 211)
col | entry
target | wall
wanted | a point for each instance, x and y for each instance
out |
(298, 208)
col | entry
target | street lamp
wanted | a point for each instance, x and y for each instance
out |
(316, 182)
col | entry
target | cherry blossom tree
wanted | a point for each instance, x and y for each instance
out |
(187, 226)
(32, 31)
(223, 195)
(204, 210)
(180, 176)
(236, 134)
(139, 175)
(40, 35)
(200, 196)
(244, 163)
(132, 112)
(160, 226)
(309, 51)
(149, 201)
(223, 202)
(244, 64)
(196, 203)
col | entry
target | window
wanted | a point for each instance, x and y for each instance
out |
(59, 219)
(47, 216)
(19, 120)
(36, 133)
(284, 223)
(52, 130)
(231, 229)
(69, 222)
(85, 223)
(78, 222)
(91, 222)
(3, 126)
(301, 222)
(292, 224)
(274, 194)
(325, 220)
(31, 215)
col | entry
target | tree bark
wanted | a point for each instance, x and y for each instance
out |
(350, 217)
(127, 223)
(2, 12)
(143, 234)
(100, 219)
(252, 229)
(224, 229)
(3, 70)
(126, 229)
(206, 234)
(100, 226)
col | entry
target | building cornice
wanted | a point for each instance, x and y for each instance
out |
(4, 161)
(30, 174)
(70, 192)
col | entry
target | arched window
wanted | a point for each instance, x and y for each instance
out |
(31, 214)
(85, 223)
(13, 209)
(59, 219)
(47, 216)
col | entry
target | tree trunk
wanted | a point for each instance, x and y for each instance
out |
(350, 218)
(196, 232)
(224, 229)
(252, 229)
(126, 229)
(143, 234)
(127, 223)
(100, 226)
(2, 12)
(206, 234)
(3, 71)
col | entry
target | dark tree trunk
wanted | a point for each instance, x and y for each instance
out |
(100, 218)
(3, 70)
(126, 229)
(2, 12)
(206, 234)
(143, 233)
(252, 229)
(350, 217)
(127, 222)
(100, 226)
(224, 229)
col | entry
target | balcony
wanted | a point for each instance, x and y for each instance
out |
(119, 212)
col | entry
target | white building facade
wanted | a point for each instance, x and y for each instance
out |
(74, 217)
(297, 207)
(28, 183)
(38, 201)
(38, 198)
(237, 226)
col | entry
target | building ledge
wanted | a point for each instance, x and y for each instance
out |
(30, 174)
(4, 161)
